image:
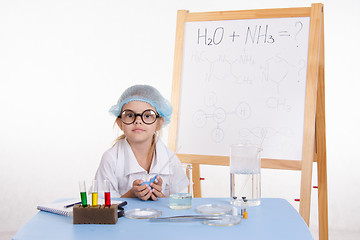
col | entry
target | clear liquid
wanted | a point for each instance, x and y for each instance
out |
(180, 200)
(245, 185)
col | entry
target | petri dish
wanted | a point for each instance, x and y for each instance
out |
(214, 209)
(225, 221)
(142, 213)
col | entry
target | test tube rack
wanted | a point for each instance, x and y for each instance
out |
(100, 214)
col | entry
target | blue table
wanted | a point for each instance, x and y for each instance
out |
(273, 219)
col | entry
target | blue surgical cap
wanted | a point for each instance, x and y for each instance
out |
(144, 93)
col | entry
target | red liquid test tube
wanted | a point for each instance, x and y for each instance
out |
(107, 193)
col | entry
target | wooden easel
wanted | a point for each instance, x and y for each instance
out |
(314, 137)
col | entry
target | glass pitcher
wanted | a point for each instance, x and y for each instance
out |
(245, 174)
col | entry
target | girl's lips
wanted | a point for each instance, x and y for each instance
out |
(138, 130)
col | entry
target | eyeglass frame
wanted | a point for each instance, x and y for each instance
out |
(141, 116)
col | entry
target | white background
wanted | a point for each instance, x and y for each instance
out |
(63, 63)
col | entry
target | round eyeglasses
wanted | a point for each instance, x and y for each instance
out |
(148, 116)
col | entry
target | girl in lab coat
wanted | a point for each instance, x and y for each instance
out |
(139, 155)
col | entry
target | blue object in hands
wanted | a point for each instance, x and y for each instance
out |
(151, 181)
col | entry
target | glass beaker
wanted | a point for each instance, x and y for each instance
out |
(245, 177)
(181, 185)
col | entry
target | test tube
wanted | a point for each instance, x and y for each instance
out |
(242, 206)
(107, 193)
(245, 213)
(94, 193)
(82, 187)
(234, 211)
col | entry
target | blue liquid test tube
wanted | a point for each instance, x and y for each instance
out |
(82, 187)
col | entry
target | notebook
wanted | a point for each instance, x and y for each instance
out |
(58, 207)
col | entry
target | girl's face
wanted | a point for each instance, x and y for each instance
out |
(139, 132)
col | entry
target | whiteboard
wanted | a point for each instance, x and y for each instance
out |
(243, 81)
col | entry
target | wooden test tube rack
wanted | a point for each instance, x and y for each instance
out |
(95, 215)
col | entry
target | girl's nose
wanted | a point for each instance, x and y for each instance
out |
(138, 119)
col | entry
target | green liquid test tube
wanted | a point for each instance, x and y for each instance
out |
(83, 199)
(82, 187)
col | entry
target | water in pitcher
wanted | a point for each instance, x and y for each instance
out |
(245, 165)
(245, 185)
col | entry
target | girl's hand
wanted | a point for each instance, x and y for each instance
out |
(157, 188)
(142, 192)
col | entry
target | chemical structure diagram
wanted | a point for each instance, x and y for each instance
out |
(219, 115)
(274, 70)
(240, 68)
(243, 112)
(244, 69)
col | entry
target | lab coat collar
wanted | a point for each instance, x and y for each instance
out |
(160, 159)
(130, 163)
(160, 163)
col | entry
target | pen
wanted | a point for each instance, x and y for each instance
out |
(71, 205)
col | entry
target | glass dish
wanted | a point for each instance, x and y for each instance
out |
(214, 209)
(225, 221)
(142, 213)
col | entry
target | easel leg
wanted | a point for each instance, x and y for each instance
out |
(321, 143)
(196, 180)
(322, 200)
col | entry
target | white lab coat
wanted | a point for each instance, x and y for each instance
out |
(120, 167)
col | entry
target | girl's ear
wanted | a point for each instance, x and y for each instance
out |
(160, 122)
(119, 123)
